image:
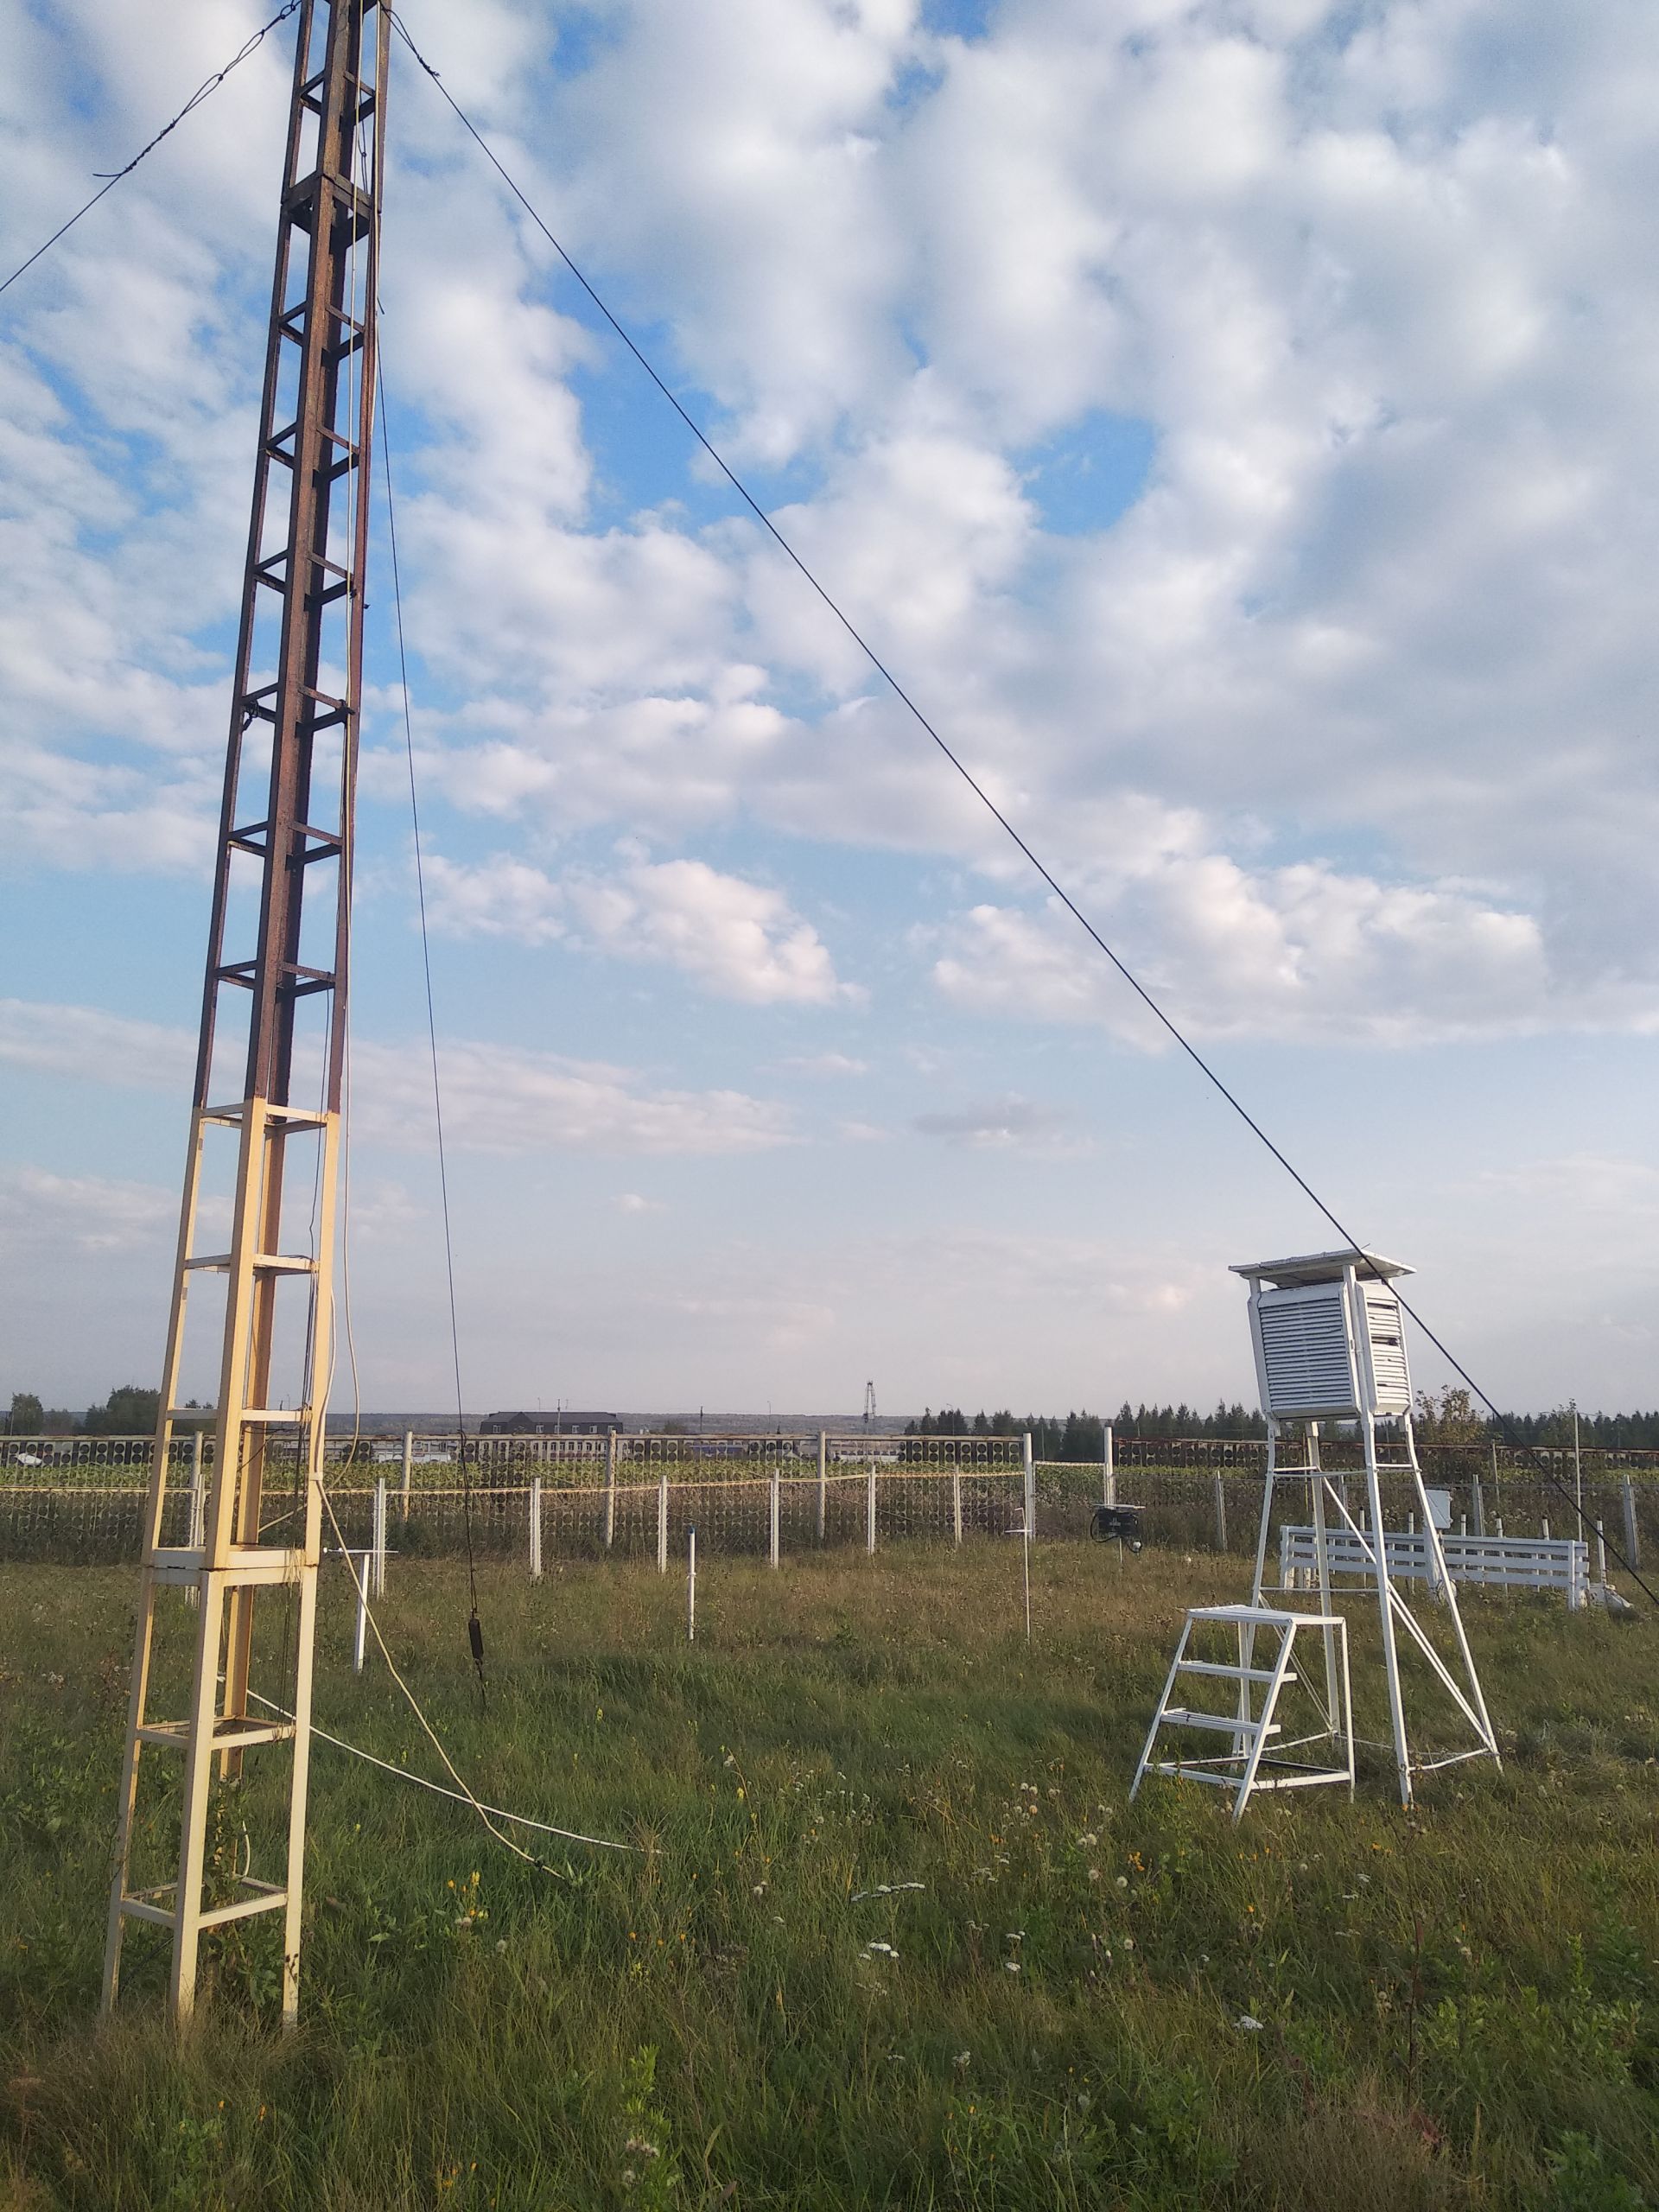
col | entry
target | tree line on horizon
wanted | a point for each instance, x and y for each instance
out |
(1443, 1417)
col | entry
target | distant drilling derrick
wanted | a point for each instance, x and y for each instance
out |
(278, 945)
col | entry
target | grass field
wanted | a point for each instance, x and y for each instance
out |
(1085, 2003)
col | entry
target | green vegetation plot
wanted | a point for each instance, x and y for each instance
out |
(896, 1939)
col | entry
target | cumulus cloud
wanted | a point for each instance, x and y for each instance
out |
(500, 1099)
(995, 1124)
(42, 1212)
(1368, 284)
(738, 939)
(1303, 951)
(497, 1098)
(825, 1064)
(91, 1045)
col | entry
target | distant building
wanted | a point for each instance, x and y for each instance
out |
(555, 1424)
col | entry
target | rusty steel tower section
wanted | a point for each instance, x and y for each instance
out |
(230, 1563)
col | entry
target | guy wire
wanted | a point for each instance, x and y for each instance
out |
(474, 1628)
(210, 85)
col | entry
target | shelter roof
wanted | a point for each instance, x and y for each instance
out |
(1321, 1267)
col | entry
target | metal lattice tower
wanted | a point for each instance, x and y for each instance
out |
(264, 1133)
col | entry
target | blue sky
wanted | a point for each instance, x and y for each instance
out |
(1230, 420)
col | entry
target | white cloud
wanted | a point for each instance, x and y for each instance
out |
(995, 1124)
(634, 1202)
(94, 1046)
(825, 1064)
(1298, 951)
(497, 1098)
(740, 940)
(41, 1213)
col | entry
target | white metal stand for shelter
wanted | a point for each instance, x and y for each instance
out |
(1329, 1344)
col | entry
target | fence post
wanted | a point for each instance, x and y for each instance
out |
(662, 1524)
(690, 1584)
(1030, 1497)
(1476, 1502)
(1632, 1536)
(869, 1511)
(610, 1490)
(409, 1461)
(955, 1504)
(1601, 1553)
(771, 1522)
(1221, 1516)
(1108, 1469)
(823, 1482)
(536, 1528)
(380, 1535)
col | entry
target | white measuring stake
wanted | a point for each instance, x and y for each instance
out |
(359, 1567)
(1024, 1553)
(379, 1536)
(691, 1586)
(535, 1527)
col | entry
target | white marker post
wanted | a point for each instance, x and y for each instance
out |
(1108, 1471)
(359, 1567)
(691, 1586)
(662, 1524)
(380, 1535)
(824, 1482)
(772, 1520)
(869, 1513)
(535, 1527)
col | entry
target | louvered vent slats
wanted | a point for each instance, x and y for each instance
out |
(1305, 1350)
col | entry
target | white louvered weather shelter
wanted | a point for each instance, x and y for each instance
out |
(1328, 1337)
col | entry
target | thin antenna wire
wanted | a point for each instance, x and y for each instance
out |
(475, 1630)
(190, 107)
(971, 780)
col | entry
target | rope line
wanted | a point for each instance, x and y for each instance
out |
(483, 1811)
(456, 1797)
(968, 776)
(111, 178)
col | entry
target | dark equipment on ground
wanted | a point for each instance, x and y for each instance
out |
(1117, 1524)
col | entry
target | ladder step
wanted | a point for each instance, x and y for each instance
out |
(1232, 1673)
(264, 1415)
(290, 1117)
(263, 1263)
(183, 1566)
(1181, 1716)
(1179, 1773)
(146, 1904)
(227, 1735)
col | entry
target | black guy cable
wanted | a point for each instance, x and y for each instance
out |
(113, 178)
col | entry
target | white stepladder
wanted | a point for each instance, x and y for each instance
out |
(1257, 1758)
(1329, 1345)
